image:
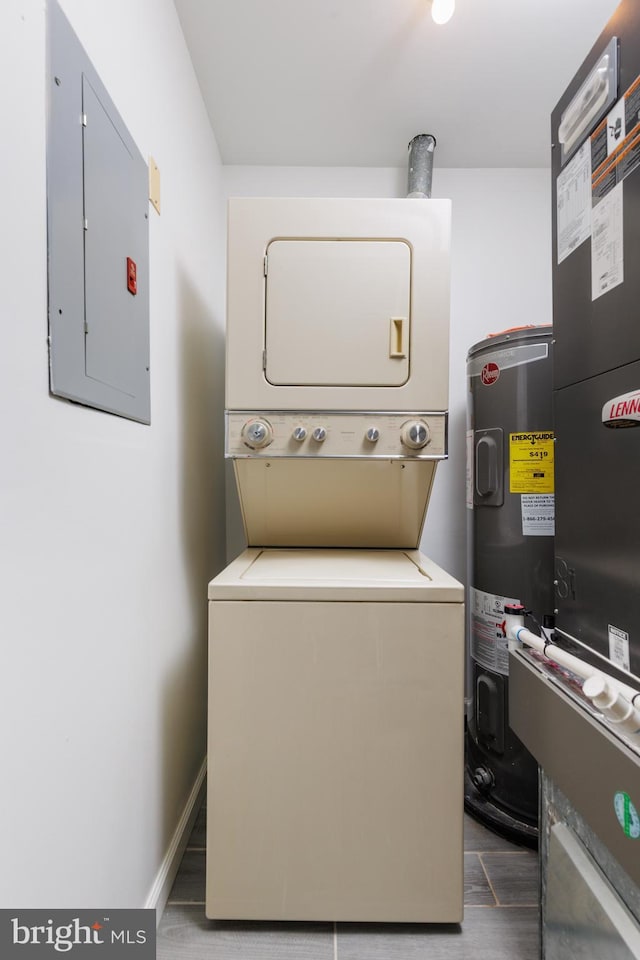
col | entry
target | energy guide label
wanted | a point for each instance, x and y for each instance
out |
(489, 645)
(531, 462)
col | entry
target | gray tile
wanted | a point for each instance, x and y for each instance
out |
(478, 838)
(477, 891)
(513, 876)
(198, 838)
(485, 934)
(185, 934)
(190, 882)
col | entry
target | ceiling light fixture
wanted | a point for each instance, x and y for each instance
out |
(442, 10)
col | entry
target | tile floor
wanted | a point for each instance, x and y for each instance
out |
(500, 921)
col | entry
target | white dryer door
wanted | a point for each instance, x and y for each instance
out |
(337, 312)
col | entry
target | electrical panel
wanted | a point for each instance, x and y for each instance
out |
(98, 238)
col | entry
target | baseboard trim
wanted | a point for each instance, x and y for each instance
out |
(163, 882)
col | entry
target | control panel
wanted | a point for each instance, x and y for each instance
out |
(299, 434)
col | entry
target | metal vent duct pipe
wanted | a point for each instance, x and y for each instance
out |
(421, 166)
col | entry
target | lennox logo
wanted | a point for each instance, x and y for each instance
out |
(489, 373)
(622, 411)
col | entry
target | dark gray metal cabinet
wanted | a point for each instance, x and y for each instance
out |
(592, 336)
(597, 359)
(597, 550)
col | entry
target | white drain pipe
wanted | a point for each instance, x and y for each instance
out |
(617, 701)
(612, 703)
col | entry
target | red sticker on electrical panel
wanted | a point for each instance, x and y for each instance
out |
(132, 276)
(489, 373)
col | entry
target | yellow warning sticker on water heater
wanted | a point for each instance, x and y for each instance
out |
(531, 462)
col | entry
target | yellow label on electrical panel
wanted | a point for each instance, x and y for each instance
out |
(531, 462)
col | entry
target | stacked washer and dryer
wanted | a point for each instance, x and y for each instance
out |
(335, 786)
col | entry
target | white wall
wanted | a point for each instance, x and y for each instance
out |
(109, 530)
(501, 277)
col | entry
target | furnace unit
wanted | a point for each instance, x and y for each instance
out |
(580, 719)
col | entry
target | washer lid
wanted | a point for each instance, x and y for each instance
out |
(334, 574)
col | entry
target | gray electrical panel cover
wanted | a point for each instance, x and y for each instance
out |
(98, 238)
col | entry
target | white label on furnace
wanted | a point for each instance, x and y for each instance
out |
(619, 647)
(538, 515)
(607, 244)
(489, 645)
(573, 200)
(470, 453)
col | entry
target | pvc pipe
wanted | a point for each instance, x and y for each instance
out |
(612, 704)
(560, 656)
(552, 652)
(615, 700)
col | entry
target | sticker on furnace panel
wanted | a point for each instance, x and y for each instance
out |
(607, 244)
(489, 645)
(627, 815)
(619, 647)
(531, 457)
(573, 203)
(615, 144)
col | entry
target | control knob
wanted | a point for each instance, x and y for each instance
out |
(299, 434)
(257, 434)
(372, 434)
(415, 434)
(319, 434)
